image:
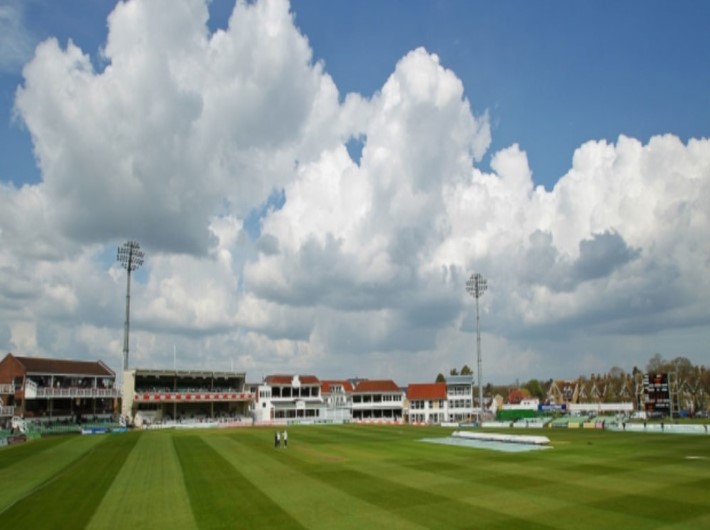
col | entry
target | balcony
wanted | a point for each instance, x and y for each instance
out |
(191, 397)
(291, 399)
(375, 405)
(459, 393)
(72, 393)
(7, 389)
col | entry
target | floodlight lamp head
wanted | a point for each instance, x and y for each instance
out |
(476, 285)
(130, 256)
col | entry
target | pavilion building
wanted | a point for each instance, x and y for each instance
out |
(378, 401)
(44, 389)
(157, 396)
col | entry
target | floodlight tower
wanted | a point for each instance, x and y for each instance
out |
(130, 256)
(476, 286)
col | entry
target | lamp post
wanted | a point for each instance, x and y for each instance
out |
(476, 286)
(130, 256)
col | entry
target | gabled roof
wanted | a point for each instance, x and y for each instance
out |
(39, 365)
(566, 391)
(325, 386)
(384, 385)
(288, 379)
(426, 391)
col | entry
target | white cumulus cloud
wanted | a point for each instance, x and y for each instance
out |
(269, 248)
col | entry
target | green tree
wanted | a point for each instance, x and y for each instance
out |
(683, 368)
(454, 371)
(440, 378)
(466, 370)
(613, 383)
(516, 395)
(703, 393)
(617, 372)
(656, 364)
(535, 389)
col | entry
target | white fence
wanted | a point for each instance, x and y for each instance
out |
(673, 428)
(579, 408)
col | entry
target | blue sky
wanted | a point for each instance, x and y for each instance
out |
(314, 183)
(551, 74)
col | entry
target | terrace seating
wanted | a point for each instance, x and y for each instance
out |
(607, 420)
(565, 421)
(532, 422)
(49, 428)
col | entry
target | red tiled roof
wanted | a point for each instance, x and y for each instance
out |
(386, 385)
(325, 386)
(288, 379)
(38, 365)
(426, 391)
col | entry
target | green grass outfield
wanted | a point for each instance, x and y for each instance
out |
(358, 477)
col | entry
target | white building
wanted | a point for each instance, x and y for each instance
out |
(337, 400)
(441, 402)
(459, 397)
(427, 403)
(380, 400)
(288, 397)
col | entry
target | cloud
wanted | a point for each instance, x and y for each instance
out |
(226, 155)
(178, 123)
(598, 257)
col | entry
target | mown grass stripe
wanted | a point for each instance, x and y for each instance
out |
(488, 483)
(428, 508)
(149, 491)
(220, 496)
(314, 504)
(422, 506)
(655, 508)
(38, 464)
(70, 498)
(354, 477)
(509, 473)
(13, 454)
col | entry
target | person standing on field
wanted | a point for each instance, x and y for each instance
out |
(285, 439)
(276, 439)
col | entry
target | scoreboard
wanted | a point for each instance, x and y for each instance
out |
(657, 394)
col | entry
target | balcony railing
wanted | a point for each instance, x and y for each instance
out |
(191, 397)
(378, 405)
(7, 412)
(7, 389)
(93, 393)
(459, 393)
(282, 399)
